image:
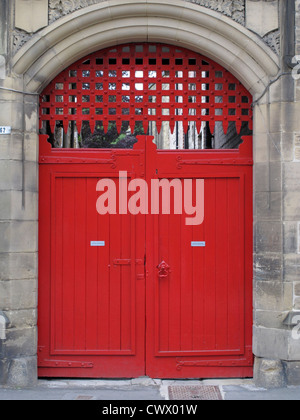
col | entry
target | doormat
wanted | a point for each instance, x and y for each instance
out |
(195, 392)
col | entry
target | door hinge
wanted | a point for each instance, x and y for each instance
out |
(64, 364)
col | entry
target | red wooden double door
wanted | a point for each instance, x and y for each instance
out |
(124, 295)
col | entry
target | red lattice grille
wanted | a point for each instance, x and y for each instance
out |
(145, 83)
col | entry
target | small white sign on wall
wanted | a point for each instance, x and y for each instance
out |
(5, 130)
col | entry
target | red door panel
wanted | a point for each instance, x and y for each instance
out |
(199, 315)
(92, 305)
(98, 302)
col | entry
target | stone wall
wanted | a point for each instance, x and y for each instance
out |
(276, 183)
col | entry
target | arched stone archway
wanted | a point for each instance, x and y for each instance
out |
(175, 22)
(218, 37)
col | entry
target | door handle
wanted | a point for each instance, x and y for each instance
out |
(163, 270)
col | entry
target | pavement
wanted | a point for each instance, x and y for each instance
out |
(143, 389)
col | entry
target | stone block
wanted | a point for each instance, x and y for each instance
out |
(11, 205)
(31, 147)
(291, 205)
(287, 147)
(290, 237)
(269, 374)
(31, 15)
(276, 176)
(297, 289)
(268, 176)
(269, 319)
(268, 205)
(261, 147)
(11, 147)
(270, 343)
(21, 343)
(3, 367)
(291, 176)
(292, 373)
(297, 303)
(22, 318)
(17, 266)
(275, 148)
(291, 267)
(273, 296)
(290, 116)
(268, 237)
(31, 173)
(260, 119)
(11, 114)
(2, 67)
(18, 236)
(10, 175)
(31, 117)
(261, 177)
(294, 344)
(22, 373)
(262, 17)
(268, 267)
(18, 294)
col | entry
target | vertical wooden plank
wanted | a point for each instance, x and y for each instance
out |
(126, 283)
(174, 286)
(199, 289)
(222, 264)
(57, 262)
(104, 268)
(235, 263)
(68, 262)
(209, 297)
(186, 287)
(80, 250)
(91, 267)
(115, 282)
(163, 284)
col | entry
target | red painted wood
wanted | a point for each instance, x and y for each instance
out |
(92, 308)
(199, 317)
(187, 87)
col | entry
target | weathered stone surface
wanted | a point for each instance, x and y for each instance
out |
(269, 373)
(262, 16)
(18, 294)
(21, 372)
(290, 237)
(22, 318)
(268, 205)
(268, 267)
(292, 373)
(31, 15)
(273, 296)
(16, 266)
(271, 343)
(291, 267)
(268, 237)
(18, 236)
(21, 342)
(269, 319)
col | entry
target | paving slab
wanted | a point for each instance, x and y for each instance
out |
(250, 393)
(145, 389)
